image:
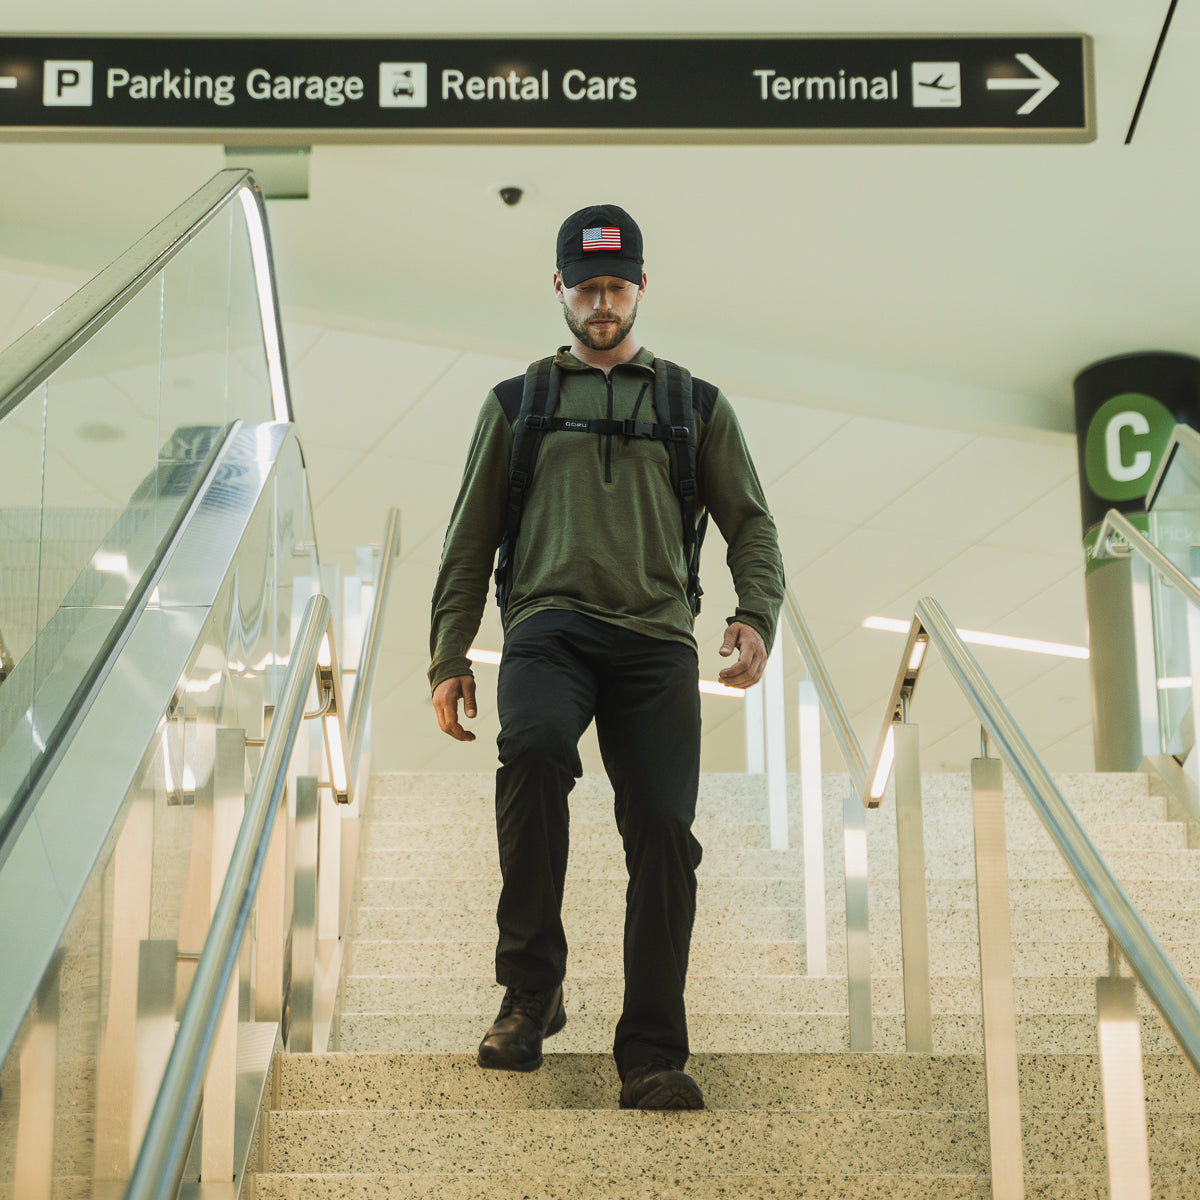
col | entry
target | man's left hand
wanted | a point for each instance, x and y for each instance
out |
(752, 656)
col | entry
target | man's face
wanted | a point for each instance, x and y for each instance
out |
(600, 311)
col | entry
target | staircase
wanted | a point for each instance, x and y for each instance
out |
(404, 1111)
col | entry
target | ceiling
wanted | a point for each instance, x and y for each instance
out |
(899, 327)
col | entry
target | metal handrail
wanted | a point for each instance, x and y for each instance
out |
(163, 1154)
(831, 702)
(369, 655)
(37, 354)
(1154, 970)
(1115, 523)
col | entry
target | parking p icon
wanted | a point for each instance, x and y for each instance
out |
(67, 83)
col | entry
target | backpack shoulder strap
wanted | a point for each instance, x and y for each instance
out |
(673, 405)
(539, 399)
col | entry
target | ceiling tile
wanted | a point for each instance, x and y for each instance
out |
(351, 389)
(439, 425)
(979, 488)
(983, 584)
(355, 509)
(1058, 614)
(861, 468)
(780, 435)
(864, 571)
(1050, 525)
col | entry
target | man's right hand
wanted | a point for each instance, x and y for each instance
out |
(445, 705)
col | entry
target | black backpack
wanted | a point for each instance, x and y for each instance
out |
(531, 412)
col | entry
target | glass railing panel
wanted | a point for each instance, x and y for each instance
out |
(104, 1020)
(102, 437)
(1174, 527)
(123, 428)
(249, 393)
(196, 333)
(21, 436)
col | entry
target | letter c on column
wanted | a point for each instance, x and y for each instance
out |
(1121, 471)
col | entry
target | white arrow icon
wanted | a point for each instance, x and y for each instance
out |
(1042, 84)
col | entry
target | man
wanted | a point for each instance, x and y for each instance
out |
(598, 607)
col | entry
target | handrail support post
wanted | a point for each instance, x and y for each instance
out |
(813, 828)
(996, 980)
(777, 797)
(914, 924)
(858, 933)
(1122, 1087)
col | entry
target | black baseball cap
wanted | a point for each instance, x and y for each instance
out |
(600, 240)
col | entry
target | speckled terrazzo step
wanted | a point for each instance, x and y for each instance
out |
(784, 1032)
(595, 839)
(736, 786)
(601, 912)
(718, 1141)
(712, 806)
(750, 994)
(755, 861)
(780, 1185)
(729, 1081)
(582, 1142)
(777, 1126)
(740, 799)
(732, 891)
(461, 956)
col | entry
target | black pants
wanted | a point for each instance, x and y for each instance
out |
(559, 670)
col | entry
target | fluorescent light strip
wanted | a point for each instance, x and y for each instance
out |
(709, 686)
(978, 638)
(884, 770)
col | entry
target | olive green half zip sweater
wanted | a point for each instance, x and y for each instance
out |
(601, 530)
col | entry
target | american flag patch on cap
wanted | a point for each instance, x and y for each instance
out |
(602, 237)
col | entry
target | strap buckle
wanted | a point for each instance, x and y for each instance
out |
(535, 421)
(678, 433)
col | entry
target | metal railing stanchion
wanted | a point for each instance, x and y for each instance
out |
(914, 918)
(752, 714)
(858, 933)
(995, 973)
(813, 828)
(1122, 1085)
(777, 797)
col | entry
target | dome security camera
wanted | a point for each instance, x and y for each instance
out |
(511, 194)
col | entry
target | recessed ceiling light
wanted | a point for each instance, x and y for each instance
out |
(99, 431)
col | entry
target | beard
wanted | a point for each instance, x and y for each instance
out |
(597, 339)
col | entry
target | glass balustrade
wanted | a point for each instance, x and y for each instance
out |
(1174, 527)
(101, 454)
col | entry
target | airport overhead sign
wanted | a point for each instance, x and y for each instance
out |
(963, 88)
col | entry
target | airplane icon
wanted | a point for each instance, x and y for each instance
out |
(937, 85)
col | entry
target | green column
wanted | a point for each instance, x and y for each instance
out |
(1125, 410)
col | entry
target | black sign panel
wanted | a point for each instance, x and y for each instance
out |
(722, 89)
